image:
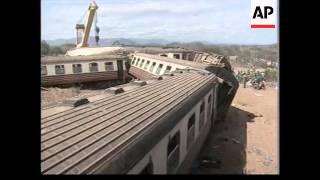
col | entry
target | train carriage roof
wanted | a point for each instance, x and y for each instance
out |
(157, 50)
(190, 64)
(112, 134)
(67, 59)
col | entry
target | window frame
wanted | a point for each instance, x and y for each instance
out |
(148, 168)
(91, 65)
(75, 66)
(138, 60)
(154, 64)
(111, 65)
(159, 68)
(141, 63)
(209, 107)
(191, 130)
(174, 56)
(173, 157)
(63, 68)
(146, 65)
(46, 70)
(202, 115)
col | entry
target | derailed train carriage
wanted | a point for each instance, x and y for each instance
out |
(66, 70)
(156, 127)
(145, 66)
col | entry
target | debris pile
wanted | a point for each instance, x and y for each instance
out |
(50, 96)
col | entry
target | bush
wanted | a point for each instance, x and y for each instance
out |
(46, 49)
(56, 50)
(271, 75)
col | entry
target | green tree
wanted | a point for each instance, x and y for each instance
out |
(45, 48)
(66, 47)
(55, 50)
(271, 75)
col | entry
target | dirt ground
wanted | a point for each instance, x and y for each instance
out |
(55, 95)
(246, 142)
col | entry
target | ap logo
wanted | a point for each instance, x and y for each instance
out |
(263, 13)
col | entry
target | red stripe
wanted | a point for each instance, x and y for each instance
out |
(263, 26)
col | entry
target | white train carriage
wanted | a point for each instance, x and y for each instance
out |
(144, 66)
(147, 66)
(79, 69)
(158, 128)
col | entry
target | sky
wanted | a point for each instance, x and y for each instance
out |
(213, 21)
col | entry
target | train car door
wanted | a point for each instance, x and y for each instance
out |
(120, 70)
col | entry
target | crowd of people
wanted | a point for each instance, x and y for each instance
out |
(252, 78)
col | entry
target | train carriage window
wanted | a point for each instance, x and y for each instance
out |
(173, 153)
(44, 70)
(108, 66)
(168, 69)
(202, 114)
(191, 130)
(76, 68)
(138, 61)
(148, 169)
(146, 65)
(177, 56)
(141, 63)
(184, 56)
(152, 66)
(209, 107)
(59, 69)
(93, 67)
(159, 68)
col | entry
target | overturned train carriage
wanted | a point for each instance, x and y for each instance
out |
(146, 66)
(64, 70)
(155, 127)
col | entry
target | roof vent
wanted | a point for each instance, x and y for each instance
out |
(157, 77)
(203, 73)
(139, 82)
(177, 71)
(76, 101)
(168, 74)
(114, 90)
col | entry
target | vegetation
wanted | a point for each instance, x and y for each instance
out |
(246, 54)
(46, 49)
(271, 74)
